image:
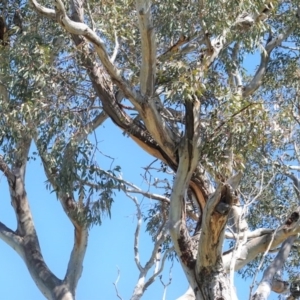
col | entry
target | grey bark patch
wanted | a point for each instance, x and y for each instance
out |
(185, 247)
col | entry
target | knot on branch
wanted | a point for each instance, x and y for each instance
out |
(245, 21)
(294, 217)
(70, 203)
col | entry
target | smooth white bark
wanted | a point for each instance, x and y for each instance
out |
(148, 67)
(258, 245)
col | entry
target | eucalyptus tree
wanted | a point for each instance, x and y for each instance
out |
(174, 76)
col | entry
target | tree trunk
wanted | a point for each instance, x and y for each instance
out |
(213, 284)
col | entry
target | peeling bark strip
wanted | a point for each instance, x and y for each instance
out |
(190, 129)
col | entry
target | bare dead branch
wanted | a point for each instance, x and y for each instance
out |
(116, 285)
(165, 285)
(142, 284)
(137, 234)
(162, 265)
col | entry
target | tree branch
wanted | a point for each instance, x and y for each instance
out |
(47, 282)
(215, 216)
(154, 276)
(116, 285)
(153, 120)
(6, 170)
(42, 10)
(188, 160)
(148, 67)
(295, 183)
(12, 239)
(137, 235)
(258, 245)
(79, 28)
(256, 81)
(133, 190)
(17, 189)
(75, 267)
(250, 235)
(141, 285)
(264, 289)
(115, 53)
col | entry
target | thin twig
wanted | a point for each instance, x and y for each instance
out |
(116, 285)
(116, 50)
(90, 16)
(165, 285)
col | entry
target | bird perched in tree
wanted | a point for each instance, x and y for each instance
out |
(3, 31)
(17, 20)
